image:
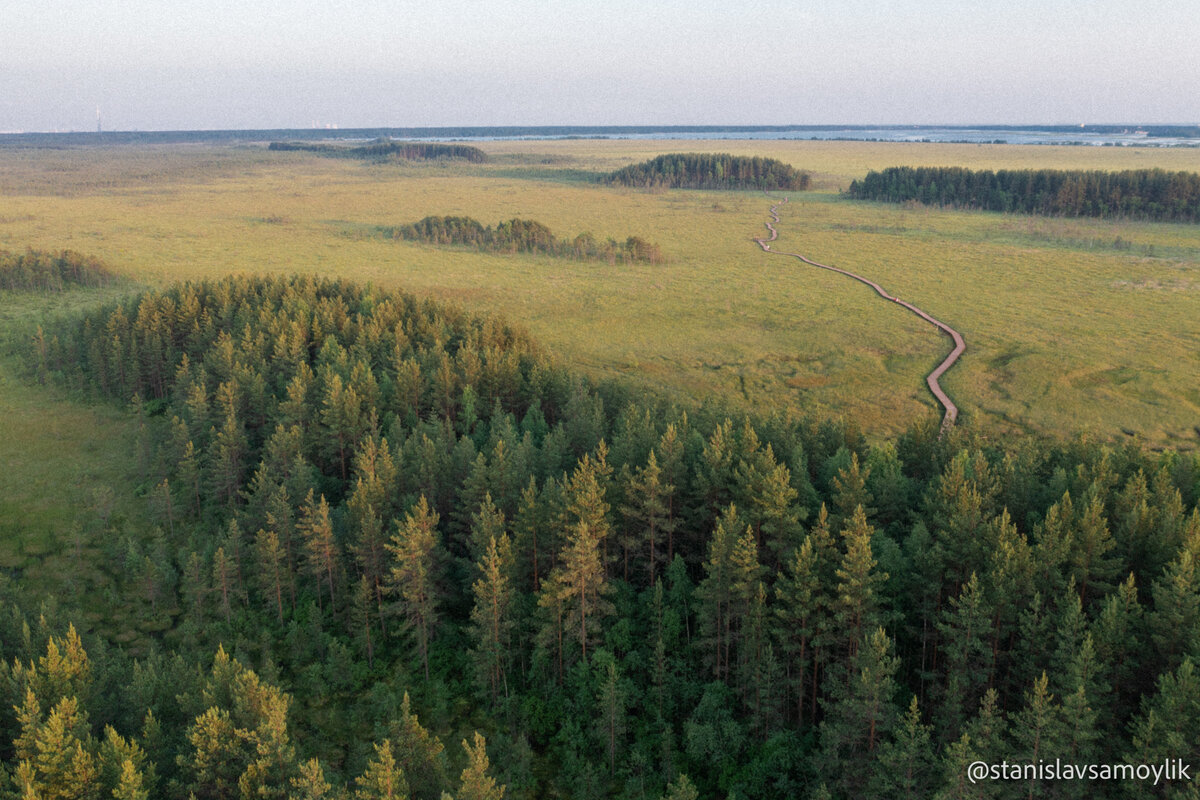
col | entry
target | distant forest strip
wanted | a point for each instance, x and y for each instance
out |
(1137, 194)
(525, 236)
(710, 171)
(412, 151)
(42, 271)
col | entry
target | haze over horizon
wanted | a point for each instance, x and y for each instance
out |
(217, 64)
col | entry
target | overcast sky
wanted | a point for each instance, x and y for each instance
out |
(186, 64)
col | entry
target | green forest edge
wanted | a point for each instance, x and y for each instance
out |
(710, 171)
(524, 236)
(359, 494)
(383, 149)
(1144, 194)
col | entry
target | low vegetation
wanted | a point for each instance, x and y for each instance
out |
(411, 151)
(1134, 194)
(710, 171)
(42, 271)
(524, 236)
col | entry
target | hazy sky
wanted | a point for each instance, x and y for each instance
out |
(170, 64)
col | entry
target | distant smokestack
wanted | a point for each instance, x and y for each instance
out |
(99, 129)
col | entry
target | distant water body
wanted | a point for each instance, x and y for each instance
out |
(1126, 136)
(1093, 135)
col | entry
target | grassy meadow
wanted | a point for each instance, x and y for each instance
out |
(1072, 326)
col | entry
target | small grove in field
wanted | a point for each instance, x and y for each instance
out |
(412, 151)
(710, 171)
(367, 493)
(1150, 194)
(524, 236)
(43, 271)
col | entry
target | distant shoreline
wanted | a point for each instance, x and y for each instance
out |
(1093, 135)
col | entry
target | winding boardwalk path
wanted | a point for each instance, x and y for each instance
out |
(931, 379)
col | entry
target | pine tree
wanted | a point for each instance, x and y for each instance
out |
(414, 575)
(669, 455)
(860, 715)
(904, 767)
(580, 586)
(215, 763)
(362, 608)
(321, 556)
(774, 513)
(798, 609)
(849, 490)
(272, 568)
(681, 788)
(856, 607)
(382, 780)
(229, 449)
(224, 581)
(1038, 729)
(491, 617)
(310, 784)
(1118, 635)
(418, 753)
(1091, 562)
(1053, 543)
(647, 512)
(1169, 725)
(966, 630)
(715, 594)
(1174, 623)
(477, 784)
(612, 698)
(487, 523)
(132, 785)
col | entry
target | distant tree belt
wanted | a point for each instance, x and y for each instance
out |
(1136, 194)
(525, 236)
(42, 271)
(710, 171)
(413, 151)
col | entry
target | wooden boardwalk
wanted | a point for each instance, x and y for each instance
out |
(932, 379)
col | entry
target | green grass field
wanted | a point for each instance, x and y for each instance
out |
(1072, 326)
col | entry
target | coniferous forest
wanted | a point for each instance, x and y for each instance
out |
(710, 171)
(524, 236)
(380, 518)
(1134, 194)
(42, 271)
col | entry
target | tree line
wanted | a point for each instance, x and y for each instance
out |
(382, 149)
(45, 271)
(710, 171)
(525, 236)
(1150, 194)
(368, 494)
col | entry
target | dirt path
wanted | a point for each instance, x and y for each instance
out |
(932, 379)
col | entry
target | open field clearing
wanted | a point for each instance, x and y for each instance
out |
(69, 469)
(1071, 325)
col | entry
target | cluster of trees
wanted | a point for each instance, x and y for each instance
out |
(1136, 194)
(222, 732)
(525, 236)
(710, 171)
(42, 271)
(385, 148)
(364, 493)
